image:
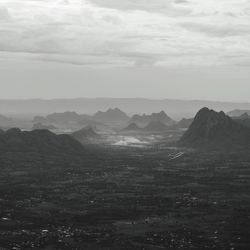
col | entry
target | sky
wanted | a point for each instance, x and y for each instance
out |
(179, 49)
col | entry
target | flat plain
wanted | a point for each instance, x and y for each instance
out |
(125, 198)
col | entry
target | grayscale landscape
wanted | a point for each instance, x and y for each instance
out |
(124, 125)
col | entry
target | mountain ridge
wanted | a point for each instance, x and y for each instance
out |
(86, 135)
(111, 115)
(40, 141)
(211, 129)
(144, 120)
(175, 108)
(155, 126)
(132, 127)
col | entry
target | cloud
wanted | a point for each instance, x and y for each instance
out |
(181, 1)
(218, 30)
(126, 32)
(4, 15)
(158, 6)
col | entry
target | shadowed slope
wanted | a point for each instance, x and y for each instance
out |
(86, 135)
(132, 127)
(212, 129)
(38, 141)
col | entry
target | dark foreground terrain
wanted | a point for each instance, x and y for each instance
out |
(125, 199)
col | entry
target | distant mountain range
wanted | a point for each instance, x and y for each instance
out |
(212, 129)
(238, 112)
(176, 109)
(10, 122)
(156, 126)
(244, 119)
(65, 117)
(143, 120)
(184, 123)
(41, 126)
(40, 141)
(132, 127)
(159, 126)
(111, 116)
(153, 126)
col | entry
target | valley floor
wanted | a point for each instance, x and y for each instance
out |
(125, 198)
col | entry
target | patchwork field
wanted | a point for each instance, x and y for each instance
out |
(125, 198)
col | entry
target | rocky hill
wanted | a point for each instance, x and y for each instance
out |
(238, 112)
(132, 127)
(41, 141)
(86, 135)
(111, 116)
(155, 126)
(244, 119)
(212, 129)
(184, 123)
(144, 119)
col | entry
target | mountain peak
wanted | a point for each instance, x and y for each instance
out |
(244, 116)
(111, 115)
(162, 112)
(86, 135)
(132, 127)
(211, 118)
(215, 129)
(144, 119)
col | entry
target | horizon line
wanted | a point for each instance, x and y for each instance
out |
(123, 98)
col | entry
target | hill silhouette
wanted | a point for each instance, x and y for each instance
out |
(43, 126)
(184, 123)
(238, 112)
(86, 135)
(38, 141)
(176, 108)
(111, 115)
(41, 119)
(154, 117)
(212, 129)
(132, 127)
(156, 126)
(61, 118)
(244, 119)
(244, 116)
(64, 117)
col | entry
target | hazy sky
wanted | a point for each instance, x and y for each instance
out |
(191, 49)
